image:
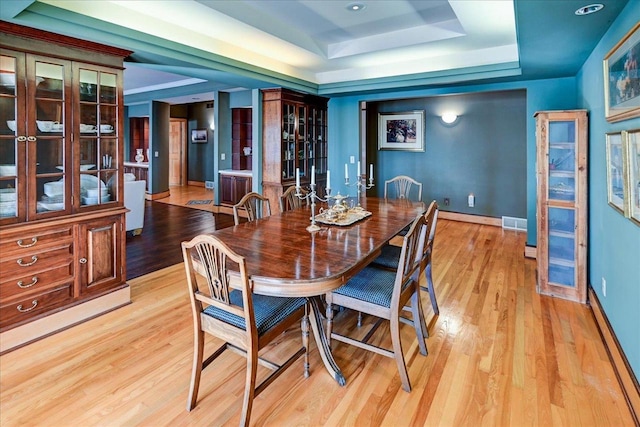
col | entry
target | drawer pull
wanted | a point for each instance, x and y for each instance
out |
(22, 138)
(31, 139)
(27, 264)
(34, 240)
(83, 260)
(21, 284)
(34, 303)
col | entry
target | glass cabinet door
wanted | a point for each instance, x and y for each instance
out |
(562, 160)
(561, 246)
(49, 152)
(12, 136)
(97, 127)
(289, 150)
(304, 162)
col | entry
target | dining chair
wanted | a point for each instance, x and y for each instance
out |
(383, 293)
(255, 205)
(390, 255)
(399, 187)
(244, 321)
(289, 200)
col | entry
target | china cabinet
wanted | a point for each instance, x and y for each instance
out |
(61, 190)
(294, 138)
(562, 203)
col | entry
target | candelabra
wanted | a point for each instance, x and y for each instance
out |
(361, 185)
(312, 196)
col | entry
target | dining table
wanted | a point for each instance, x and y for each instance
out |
(284, 259)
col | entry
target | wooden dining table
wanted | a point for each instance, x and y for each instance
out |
(284, 259)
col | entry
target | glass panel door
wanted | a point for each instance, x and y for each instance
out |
(562, 159)
(10, 127)
(288, 142)
(562, 242)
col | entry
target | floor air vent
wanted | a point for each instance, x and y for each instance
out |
(511, 223)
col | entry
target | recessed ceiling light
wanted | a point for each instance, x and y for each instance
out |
(592, 8)
(356, 7)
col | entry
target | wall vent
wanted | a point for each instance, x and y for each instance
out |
(209, 105)
(511, 223)
(208, 185)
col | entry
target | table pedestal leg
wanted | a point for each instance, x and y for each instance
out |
(323, 343)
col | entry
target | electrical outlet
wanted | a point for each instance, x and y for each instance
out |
(352, 159)
(446, 201)
(604, 287)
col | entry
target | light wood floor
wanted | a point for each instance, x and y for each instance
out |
(180, 195)
(499, 355)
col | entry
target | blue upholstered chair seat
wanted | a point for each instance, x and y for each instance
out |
(373, 285)
(389, 257)
(268, 311)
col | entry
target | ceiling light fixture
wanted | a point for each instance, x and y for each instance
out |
(356, 7)
(589, 9)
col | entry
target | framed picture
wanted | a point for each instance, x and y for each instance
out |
(621, 78)
(615, 172)
(633, 173)
(401, 131)
(199, 136)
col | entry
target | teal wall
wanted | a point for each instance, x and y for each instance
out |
(540, 95)
(614, 241)
(483, 153)
(159, 142)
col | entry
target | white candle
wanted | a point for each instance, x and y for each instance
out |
(346, 171)
(370, 171)
(328, 180)
(313, 175)
(358, 175)
(297, 177)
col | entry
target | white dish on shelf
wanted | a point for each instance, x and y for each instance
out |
(89, 181)
(87, 128)
(106, 131)
(7, 79)
(8, 208)
(7, 195)
(48, 206)
(94, 200)
(45, 125)
(94, 192)
(7, 170)
(54, 188)
(11, 124)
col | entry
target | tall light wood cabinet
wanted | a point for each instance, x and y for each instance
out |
(562, 203)
(62, 214)
(294, 138)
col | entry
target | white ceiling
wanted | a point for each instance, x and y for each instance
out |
(320, 41)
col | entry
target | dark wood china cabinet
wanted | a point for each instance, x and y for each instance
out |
(294, 138)
(61, 189)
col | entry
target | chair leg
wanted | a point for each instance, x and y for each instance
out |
(359, 319)
(304, 325)
(418, 321)
(398, 354)
(249, 386)
(196, 370)
(432, 292)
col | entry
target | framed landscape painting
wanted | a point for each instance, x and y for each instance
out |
(622, 79)
(633, 174)
(401, 131)
(199, 136)
(615, 172)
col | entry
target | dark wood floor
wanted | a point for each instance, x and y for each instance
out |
(165, 226)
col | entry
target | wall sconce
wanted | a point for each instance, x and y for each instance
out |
(449, 118)
(213, 124)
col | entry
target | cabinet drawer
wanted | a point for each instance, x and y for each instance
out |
(28, 308)
(29, 242)
(38, 282)
(35, 261)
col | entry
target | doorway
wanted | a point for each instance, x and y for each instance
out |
(177, 152)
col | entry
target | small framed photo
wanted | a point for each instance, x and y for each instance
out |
(633, 173)
(401, 131)
(199, 136)
(615, 172)
(622, 78)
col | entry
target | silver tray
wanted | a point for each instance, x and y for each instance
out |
(352, 216)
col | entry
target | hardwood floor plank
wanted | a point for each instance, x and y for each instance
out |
(499, 355)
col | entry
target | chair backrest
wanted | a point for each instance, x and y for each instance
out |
(431, 218)
(256, 206)
(289, 201)
(401, 186)
(207, 257)
(410, 263)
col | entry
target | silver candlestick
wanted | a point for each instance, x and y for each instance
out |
(313, 196)
(361, 185)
